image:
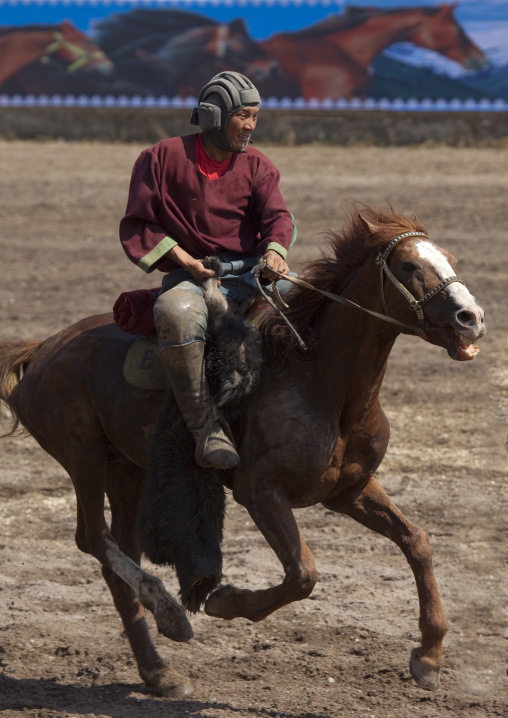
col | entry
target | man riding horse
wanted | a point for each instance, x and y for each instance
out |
(206, 194)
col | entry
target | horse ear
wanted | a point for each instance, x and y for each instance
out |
(369, 226)
(68, 26)
(238, 25)
(447, 9)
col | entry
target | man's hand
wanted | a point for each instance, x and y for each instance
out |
(273, 261)
(199, 273)
(193, 266)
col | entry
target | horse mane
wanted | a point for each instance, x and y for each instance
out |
(352, 17)
(145, 27)
(350, 247)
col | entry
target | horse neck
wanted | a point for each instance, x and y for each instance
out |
(18, 49)
(354, 347)
(364, 42)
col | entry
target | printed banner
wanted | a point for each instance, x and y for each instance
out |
(393, 54)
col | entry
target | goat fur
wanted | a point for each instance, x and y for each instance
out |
(181, 517)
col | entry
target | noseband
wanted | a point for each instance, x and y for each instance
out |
(415, 304)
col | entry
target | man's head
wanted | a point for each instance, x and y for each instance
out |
(225, 95)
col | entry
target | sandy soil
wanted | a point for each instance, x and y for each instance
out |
(345, 651)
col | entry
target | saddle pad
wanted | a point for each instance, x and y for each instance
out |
(143, 366)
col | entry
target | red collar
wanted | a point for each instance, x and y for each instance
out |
(213, 169)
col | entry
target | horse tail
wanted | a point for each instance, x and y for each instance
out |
(14, 358)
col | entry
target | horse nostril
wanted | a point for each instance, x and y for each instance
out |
(466, 318)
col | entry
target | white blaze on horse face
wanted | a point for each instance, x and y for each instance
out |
(431, 254)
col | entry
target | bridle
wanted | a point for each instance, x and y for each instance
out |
(415, 304)
(83, 56)
(381, 261)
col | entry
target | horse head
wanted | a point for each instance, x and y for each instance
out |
(257, 64)
(423, 280)
(76, 49)
(440, 31)
(187, 60)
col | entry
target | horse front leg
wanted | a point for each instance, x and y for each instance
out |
(373, 509)
(272, 514)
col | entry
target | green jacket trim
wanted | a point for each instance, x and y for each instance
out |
(147, 262)
(279, 248)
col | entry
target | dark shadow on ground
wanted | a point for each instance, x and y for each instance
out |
(115, 700)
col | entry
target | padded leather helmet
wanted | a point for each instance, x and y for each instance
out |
(226, 93)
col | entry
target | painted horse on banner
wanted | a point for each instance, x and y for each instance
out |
(332, 59)
(20, 47)
(314, 432)
(173, 52)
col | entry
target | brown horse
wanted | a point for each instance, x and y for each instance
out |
(313, 433)
(332, 58)
(21, 47)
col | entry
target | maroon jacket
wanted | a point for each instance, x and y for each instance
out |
(171, 202)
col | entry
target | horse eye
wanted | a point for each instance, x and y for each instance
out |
(408, 267)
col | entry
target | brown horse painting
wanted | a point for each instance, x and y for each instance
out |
(20, 47)
(313, 433)
(172, 52)
(332, 59)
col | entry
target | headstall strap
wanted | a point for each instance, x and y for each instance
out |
(415, 304)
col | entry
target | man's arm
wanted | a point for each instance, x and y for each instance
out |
(143, 239)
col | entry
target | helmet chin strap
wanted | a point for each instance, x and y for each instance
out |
(221, 139)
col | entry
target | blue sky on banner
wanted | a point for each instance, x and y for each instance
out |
(485, 21)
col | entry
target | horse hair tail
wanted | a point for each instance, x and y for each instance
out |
(14, 358)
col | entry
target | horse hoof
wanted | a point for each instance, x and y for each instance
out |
(425, 674)
(221, 603)
(173, 623)
(163, 682)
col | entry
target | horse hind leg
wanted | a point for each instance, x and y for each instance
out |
(89, 467)
(373, 509)
(123, 487)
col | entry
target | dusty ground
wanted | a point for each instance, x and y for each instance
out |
(345, 651)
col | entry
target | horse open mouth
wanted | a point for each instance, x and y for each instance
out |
(460, 347)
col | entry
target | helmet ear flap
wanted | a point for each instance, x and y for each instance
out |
(209, 117)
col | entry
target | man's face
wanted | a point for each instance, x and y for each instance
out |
(241, 124)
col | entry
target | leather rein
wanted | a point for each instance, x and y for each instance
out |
(381, 260)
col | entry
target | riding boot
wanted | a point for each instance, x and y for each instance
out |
(185, 369)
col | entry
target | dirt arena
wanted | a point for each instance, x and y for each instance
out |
(344, 651)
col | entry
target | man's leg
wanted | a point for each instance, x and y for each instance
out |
(181, 318)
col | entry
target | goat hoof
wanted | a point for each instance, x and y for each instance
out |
(426, 674)
(172, 622)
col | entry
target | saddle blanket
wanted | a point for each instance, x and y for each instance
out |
(143, 368)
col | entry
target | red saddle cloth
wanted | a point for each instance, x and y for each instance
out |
(133, 311)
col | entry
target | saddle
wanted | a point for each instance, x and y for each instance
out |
(143, 367)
